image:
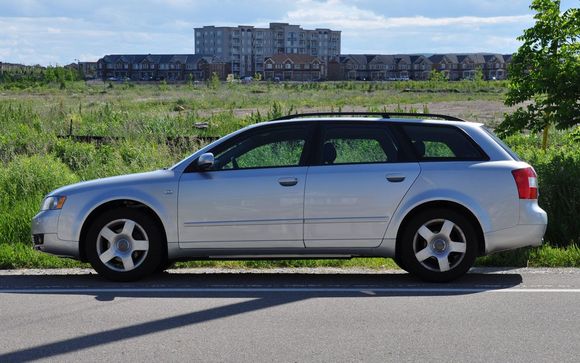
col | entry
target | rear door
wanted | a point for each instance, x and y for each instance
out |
(355, 186)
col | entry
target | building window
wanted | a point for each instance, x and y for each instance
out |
(288, 66)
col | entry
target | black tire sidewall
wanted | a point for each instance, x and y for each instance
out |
(413, 266)
(154, 256)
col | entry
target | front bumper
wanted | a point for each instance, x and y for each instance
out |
(45, 235)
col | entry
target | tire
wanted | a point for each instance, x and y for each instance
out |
(438, 245)
(124, 244)
(400, 263)
(164, 265)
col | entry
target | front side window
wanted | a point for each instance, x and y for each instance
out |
(357, 144)
(266, 149)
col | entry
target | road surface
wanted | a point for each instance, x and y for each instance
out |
(324, 315)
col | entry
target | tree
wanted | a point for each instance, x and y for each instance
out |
(546, 71)
(214, 81)
(437, 76)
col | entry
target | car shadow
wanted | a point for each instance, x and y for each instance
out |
(256, 284)
(265, 290)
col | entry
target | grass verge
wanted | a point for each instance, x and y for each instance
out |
(20, 255)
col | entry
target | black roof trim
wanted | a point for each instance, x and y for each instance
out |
(381, 114)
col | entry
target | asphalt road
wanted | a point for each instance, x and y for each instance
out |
(524, 315)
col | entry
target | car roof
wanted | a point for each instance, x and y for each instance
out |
(372, 119)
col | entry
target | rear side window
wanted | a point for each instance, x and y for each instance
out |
(442, 143)
(357, 144)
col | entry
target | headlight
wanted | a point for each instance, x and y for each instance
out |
(54, 202)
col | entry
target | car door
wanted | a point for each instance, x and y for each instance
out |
(252, 196)
(356, 186)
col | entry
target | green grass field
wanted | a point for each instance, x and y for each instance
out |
(35, 158)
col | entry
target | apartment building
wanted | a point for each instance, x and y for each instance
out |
(247, 47)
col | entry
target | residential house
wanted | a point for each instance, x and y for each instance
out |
(293, 67)
(420, 67)
(380, 66)
(469, 64)
(446, 64)
(495, 67)
(157, 67)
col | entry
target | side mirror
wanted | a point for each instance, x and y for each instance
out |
(205, 161)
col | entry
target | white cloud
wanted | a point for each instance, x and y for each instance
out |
(366, 31)
(61, 40)
(337, 14)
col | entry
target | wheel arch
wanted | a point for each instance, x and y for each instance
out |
(114, 204)
(446, 205)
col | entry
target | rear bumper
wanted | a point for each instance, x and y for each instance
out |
(45, 237)
(530, 230)
(521, 235)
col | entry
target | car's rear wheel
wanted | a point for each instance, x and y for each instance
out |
(399, 261)
(438, 245)
(124, 245)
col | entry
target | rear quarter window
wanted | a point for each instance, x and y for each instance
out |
(442, 143)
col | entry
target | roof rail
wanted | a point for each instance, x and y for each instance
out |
(381, 114)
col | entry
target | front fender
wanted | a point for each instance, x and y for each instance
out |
(80, 206)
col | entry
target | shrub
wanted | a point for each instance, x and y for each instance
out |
(23, 183)
(77, 156)
(558, 169)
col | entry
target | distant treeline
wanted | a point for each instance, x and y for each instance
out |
(39, 74)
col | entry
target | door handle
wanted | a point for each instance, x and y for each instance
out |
(288, 182)
(395, 178)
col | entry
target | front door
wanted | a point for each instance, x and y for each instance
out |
(253, 195)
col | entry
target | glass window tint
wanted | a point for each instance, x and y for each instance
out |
(277, 148)
(436, 149)
(432, 142)
(357, 144)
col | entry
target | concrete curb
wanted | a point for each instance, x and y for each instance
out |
(313, 271)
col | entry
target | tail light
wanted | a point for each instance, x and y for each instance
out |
(527, 183)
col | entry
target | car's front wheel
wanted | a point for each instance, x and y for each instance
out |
(124, 244)
(438, 245)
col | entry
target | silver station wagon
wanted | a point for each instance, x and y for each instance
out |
(431, 191)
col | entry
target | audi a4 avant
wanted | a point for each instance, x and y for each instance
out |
(431, 191)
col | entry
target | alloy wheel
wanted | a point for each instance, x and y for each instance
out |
(122, 245)
(439, 245)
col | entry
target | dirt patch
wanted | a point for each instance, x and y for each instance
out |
(487, 112)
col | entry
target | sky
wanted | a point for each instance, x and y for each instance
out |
(59, 32)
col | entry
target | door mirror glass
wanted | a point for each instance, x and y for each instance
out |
(205, 161)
